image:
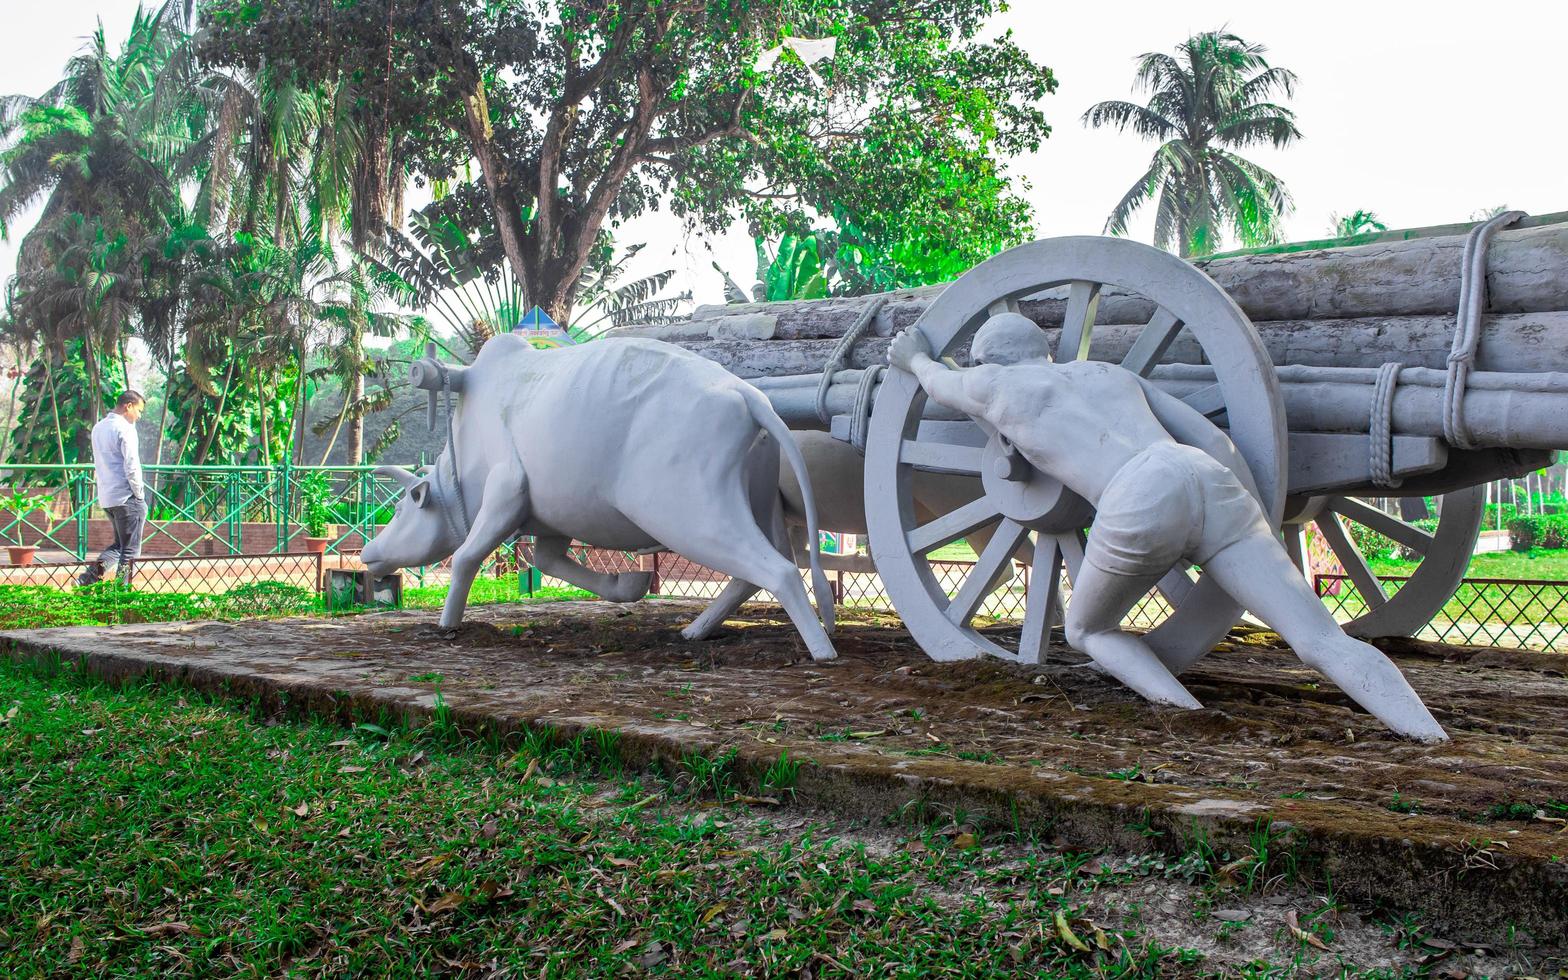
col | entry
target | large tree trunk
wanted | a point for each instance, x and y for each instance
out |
(356, 427)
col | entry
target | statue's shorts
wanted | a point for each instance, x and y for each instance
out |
(1168, 504)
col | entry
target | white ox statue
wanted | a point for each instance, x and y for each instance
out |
(634, 445)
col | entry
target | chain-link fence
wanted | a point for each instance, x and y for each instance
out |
(1522, 613)
(677, 577)
(188, 574)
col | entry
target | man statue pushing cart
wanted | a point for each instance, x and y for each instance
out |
(1168, 486)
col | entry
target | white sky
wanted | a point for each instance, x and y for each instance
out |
(1423, 112)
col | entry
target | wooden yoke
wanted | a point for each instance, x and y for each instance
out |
(435, 376)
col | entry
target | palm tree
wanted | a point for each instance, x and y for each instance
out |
(1357, 222)
(1209, 99)
(109, 140)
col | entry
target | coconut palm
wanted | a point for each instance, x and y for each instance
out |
(1357, 222)
(1209, 99)
(110, 140)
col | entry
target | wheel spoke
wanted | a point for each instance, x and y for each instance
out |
(1072, 544)
(942, 457)
(952, 526)
(1295, 548)
(993, 561)
(1355, 565)
(1152, 343)
(1209, 401)
(1043, 604)
(1383, 523)
(1083, 301)
(1175, 585)
(1003, 306)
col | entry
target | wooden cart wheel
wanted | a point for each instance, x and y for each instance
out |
(1444, 554)
(1026, 507)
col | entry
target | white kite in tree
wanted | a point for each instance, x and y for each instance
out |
(809, 50)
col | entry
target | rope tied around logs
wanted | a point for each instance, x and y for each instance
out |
(1382, 427)
(840, 357)
(1461, 358)
(459, 525)
(1467, 328)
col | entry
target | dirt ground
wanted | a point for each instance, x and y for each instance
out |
(1269, 725)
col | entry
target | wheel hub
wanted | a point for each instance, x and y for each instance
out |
(1028, 496)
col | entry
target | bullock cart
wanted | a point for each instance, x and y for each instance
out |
(1384, 372)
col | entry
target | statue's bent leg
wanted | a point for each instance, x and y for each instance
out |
(550, 557)
(1100, 600)
(724, 536)
(1258, 574)
(720, 609)
(790, 541)
(504, 506)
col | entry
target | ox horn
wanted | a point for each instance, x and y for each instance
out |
(406, 479)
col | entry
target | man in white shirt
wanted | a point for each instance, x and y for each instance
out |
(117, 465)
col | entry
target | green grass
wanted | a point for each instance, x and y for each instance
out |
(41, 606)
(1498, 604)
(150, 830)
(1538, 563)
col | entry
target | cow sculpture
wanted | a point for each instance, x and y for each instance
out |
(633, 445)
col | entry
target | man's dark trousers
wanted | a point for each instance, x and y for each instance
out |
(127, 521)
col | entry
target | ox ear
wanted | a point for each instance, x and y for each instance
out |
(419, 493)
(397, 474)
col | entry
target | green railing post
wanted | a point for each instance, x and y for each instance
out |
(281, 500)
(231, 506)
(79, 490)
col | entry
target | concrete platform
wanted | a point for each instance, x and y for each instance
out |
(1471, 834)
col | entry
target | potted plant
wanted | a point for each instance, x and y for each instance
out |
(315, 492)
(21, 504)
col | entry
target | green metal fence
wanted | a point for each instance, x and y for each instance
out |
(199, 509)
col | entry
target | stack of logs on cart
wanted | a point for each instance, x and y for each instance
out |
(1344, 326)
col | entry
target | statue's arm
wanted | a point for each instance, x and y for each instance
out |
(1189, 427)
(961, 389)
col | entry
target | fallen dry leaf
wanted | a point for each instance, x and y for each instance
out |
(429, 863)
(1067, 935)
(347, 769)
(1301, 934)
(490, 829)
(775, 934)
(712, 911)
(446, 903)
(77, 949)
(303, 810)
(169, 929)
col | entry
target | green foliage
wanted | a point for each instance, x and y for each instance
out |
(1212, 98)
(21, 503)
(39, 606)
(587, 116)
(1549, 531)
(316, 513)
(1358, 222)
(55, 408)
(782, 775)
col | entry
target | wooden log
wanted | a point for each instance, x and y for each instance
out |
(1511, 342)
(1527, 273)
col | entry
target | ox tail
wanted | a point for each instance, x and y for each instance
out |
(763, 414)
